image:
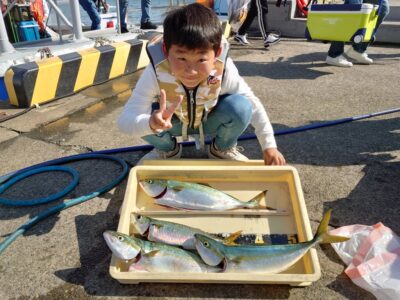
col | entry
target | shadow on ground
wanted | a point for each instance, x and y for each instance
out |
(366, 143)
(303, 66)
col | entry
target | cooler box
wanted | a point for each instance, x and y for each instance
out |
(342, 22)
(28, 30)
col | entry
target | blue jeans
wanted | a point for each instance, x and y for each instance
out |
(90, 7)
(337, 48)
(226, 122)
(145, 11)
(123, 8)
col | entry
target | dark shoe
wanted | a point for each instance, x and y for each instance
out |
(124, 30)
(148, 25)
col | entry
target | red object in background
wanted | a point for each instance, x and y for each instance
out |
(110, 24)
(207, 3)
(302, 8)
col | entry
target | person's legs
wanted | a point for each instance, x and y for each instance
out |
(335, 55)
(145, 22)
(228, 120)
(262, 11)
(335, 52)
(123, 7)
(336, 49)
(251, 14)
(165, 144)
(385, 9)
(163, 141)
(90, 7)
(145, 5)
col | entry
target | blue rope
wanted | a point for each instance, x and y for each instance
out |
(69, 203)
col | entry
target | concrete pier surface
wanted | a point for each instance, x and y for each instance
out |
(353, 168)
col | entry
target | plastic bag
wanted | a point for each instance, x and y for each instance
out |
(373, 258)
(237, 13)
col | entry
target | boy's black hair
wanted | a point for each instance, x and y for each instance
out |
(193, 26)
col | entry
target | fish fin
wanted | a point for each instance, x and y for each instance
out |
(203, 183)
(152, 253)
(178, 188)
(237, 259)
(322, 232)
(230, 240)
(257, 199)
(157, 225)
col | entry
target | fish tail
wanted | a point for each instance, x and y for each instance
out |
(255, 202)
(322, 234)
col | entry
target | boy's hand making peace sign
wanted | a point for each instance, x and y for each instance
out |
(160, 119)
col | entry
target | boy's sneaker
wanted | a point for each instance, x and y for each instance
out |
(361, 58)
(339, 61)
(231, 153)
(158, 154)
(242, 39)
(271, 39)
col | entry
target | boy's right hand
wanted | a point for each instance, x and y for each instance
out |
(160, 119)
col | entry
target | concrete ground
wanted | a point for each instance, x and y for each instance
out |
(353, 168)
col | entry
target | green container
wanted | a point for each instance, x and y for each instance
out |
(342, 22)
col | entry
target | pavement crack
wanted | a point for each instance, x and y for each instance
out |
(13, 130)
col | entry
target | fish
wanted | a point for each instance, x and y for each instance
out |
(194, 196)
(146, 256)
(173, 233)
(261, 258)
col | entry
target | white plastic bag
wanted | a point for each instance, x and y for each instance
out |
(373, 258)
(237, 12)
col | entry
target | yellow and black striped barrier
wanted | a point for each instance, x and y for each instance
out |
(57, 77)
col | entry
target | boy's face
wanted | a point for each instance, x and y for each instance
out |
(191, 66)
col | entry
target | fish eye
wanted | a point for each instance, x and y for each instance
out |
(120, 238)
(149, 181)
(138, 217)
(206, 244)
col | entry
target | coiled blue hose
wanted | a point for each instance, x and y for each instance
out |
(30, 202)
(43, 168)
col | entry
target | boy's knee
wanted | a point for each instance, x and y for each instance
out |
(239, 106)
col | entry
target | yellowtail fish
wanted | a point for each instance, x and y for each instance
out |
(261, 259)
(193, 196)
(173, 233)
(145, 256)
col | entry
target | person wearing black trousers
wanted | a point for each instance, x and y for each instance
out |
(257, 8)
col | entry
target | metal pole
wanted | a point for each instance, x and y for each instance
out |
(118, 16)
(60, 34)
(5, 45)
(59, 13)
(76, 20)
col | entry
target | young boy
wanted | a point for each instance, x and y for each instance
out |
(193, 88)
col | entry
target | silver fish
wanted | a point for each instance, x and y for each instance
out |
(193, 196)
(173, 233)
(261, 259)
(148, 256)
